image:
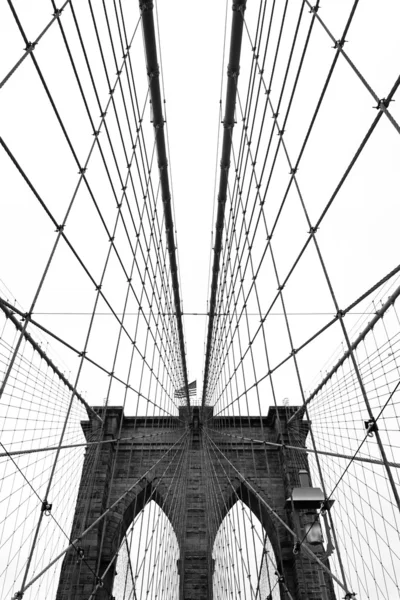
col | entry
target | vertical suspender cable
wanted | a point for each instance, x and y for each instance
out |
(153, 73)
(238, 8)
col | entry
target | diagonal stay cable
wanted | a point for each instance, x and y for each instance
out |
(78, 352)
(153, 73)
(102, 516)
(274, 514)
(31, 45)
(233, 72)
(382, 103)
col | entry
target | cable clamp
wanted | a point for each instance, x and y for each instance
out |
(30, 47)
(96, 133)
(46, 508)
(296, 547)
(340, 314)
(146, 5)
(371, 427)
(98, 287)
(233, 73)
(313, 230)
(99, 582)
(349, 596)
(238, 6)
(339, 44)
(280, 577)
(82, 170)
(59, 228)
(17, 595)
(281, 132)
(154, 73)
(57, 13)
(293, 170)
(314, 9)
(80, 552)
(82, 354)
(324, 507)
(383, 103)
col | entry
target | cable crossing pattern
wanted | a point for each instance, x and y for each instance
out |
(279, 477)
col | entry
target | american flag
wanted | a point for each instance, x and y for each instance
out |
(180, 394)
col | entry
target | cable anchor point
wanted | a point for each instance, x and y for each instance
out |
(30, 47)
(296, 547)
(46, 508)
(383, 103)
(280, 577)
(371, 427)
(339, 44)
(80, 553)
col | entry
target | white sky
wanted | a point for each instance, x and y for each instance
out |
(359, 240)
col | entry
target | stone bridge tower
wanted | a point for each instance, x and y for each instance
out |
(141, 470)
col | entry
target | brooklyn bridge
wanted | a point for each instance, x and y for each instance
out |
(200, 334)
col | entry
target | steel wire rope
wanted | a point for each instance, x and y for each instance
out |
(253, 48)
(382, 102)
(175, 488)
(229, 479)
(60, 234)
(176, 505)
(99, 519)
(76, 351)
(229, 557)
(310, 553)
(177, 502)
(120, 429)
(168, 151)
(244, 381)
(59, 231)
(120, 425)
(295, 82)
(103, 115)
(31, 45)
(359, 446)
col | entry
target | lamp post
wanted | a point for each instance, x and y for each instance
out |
(304, 503)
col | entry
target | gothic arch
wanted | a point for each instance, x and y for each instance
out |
(150, 491)
(247, 496)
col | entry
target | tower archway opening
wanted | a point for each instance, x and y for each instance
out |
(148, 558)
(244, 563)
